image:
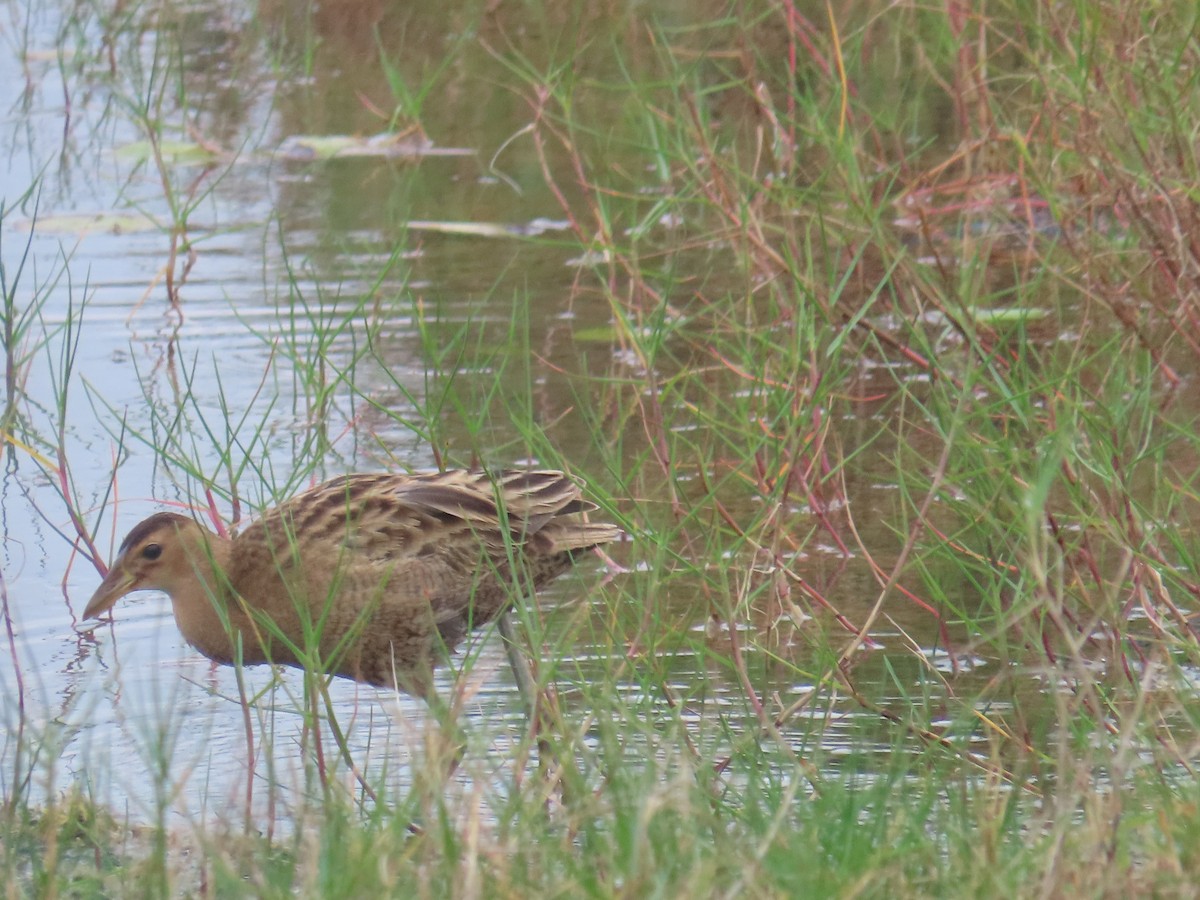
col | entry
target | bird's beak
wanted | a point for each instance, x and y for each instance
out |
(116, 585)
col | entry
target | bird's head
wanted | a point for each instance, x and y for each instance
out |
(160, 554)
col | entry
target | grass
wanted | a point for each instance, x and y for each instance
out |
(878, 340)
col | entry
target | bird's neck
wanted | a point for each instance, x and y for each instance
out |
(205, 606)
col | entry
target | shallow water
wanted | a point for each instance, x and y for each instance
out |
(281, 246)
(284, 289)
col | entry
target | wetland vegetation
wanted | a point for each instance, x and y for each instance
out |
(874, 325)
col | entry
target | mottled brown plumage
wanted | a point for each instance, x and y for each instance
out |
(377, 573)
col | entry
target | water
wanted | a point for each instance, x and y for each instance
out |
(312, 332)
(284, 270)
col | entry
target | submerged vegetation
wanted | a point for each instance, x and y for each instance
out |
(873, 324)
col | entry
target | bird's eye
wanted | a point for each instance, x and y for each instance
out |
(152, 551)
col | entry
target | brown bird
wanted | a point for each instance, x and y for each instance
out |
(369, 576)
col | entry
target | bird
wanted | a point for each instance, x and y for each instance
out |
(368, 576)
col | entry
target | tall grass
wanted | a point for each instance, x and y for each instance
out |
(883, 331)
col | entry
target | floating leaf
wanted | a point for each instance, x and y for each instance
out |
(90, 223)
(601, 334)
(1008, 314)
(178, 152)
(474, 229)
(337, 146)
